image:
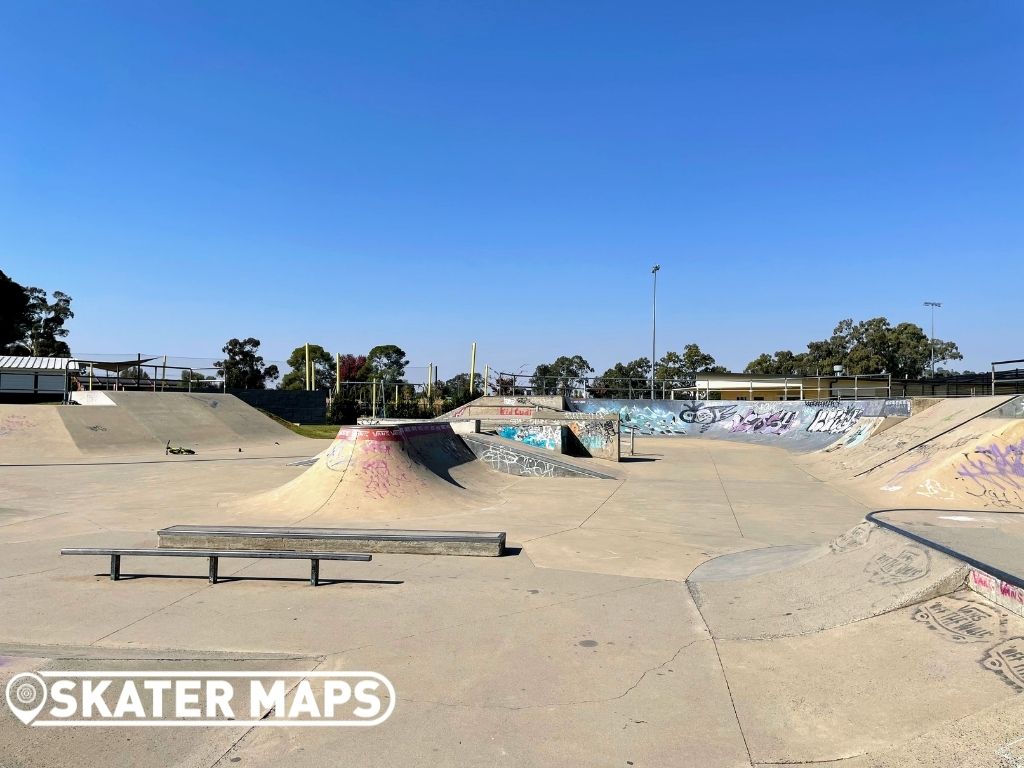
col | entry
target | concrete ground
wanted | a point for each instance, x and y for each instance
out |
(587, 647)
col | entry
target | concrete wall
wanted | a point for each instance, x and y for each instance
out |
(594, 437)
(802, 425)
(546, 435)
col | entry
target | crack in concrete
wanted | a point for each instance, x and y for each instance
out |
(630, 689)
(478, 620)
(721, 482)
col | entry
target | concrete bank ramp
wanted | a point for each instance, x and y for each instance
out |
(378, 472)
(795, 590)
(514, 458)
(30, 433)
(979, 465)
(135, 423)
(921, 427)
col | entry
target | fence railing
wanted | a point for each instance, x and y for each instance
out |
(700, 387)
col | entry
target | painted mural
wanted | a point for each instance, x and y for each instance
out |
(546, 436)
(804, 425)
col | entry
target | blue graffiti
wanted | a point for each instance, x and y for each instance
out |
(538, 437)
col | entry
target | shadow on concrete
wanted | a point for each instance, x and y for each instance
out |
(629, 459)
(224, 579)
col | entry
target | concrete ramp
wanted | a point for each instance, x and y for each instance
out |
(135, 424)
(376, 472)
(513, 458)
(923, 426)
(149, 419)
(31, 432)
(793, 590)
(503, 408)
(977, 465)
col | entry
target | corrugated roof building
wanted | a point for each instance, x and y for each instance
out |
(33, 378)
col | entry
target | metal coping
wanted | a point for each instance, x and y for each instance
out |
(335, 533)
(1009, 578)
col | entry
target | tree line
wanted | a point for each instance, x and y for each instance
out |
(243, 367)
(31, 321)
(867, 347)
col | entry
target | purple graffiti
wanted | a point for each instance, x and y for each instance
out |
(995, 466)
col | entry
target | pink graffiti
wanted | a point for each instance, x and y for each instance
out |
(994, 465)
(379, 480)
(15, 424)
(376, 447)
(992, 584)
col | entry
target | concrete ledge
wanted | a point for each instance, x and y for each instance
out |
(379, 540)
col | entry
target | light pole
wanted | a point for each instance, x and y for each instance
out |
(931, 345)
(654, 325)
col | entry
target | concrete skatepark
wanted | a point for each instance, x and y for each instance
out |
(715, 599)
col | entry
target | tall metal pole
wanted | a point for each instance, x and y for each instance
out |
(933, 305)
(654, 324)
(472, 368)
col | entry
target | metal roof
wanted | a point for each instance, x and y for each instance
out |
(21, 363)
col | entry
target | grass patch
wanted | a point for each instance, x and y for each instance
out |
(315, 431)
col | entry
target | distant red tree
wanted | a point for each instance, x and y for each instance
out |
(349, 366)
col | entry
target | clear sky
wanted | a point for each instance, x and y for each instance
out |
(434, 173)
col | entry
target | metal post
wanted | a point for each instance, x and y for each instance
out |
(654, 325)
(307, 377)
(337, 374)
(373, 407)
(487, 378)
(933, 305)
(163, 375)
(115, 567)
(314, 572)
(213, 570)
(430, 376)
(472, 368)
(855, 386)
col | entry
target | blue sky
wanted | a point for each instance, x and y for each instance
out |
(429, 174)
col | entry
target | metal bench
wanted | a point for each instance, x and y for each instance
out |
(214, 555)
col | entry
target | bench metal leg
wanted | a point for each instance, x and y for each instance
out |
(115, 567)
(213, 570)
(314, 572)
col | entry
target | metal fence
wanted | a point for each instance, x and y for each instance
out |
(700, 387)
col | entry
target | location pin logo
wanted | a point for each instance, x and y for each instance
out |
(26, 695)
